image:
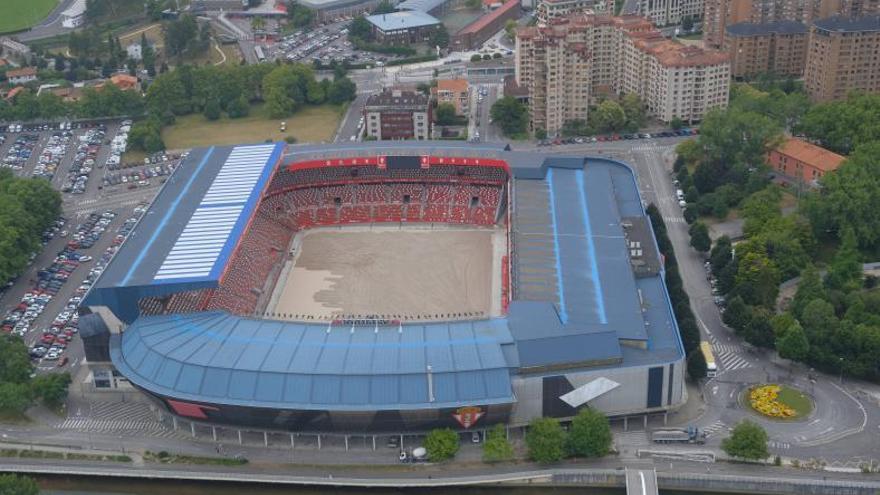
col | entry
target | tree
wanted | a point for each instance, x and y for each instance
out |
(634, 110)
(360, 28)
(299, 15)
(472, 4)
(238, 107)
(696, 365)
(850, 198)
(445, 114)
(342, 90)
(747, 441)
(700, 237)
(180, 34)
(757, 277)
(258, 23)
(845, 273)
(590, 434)
(440, 37)
(511, 115)
(738, 314)
(442, 444)
(545, 440)
(809, 289)
(721, 255)
(497, 448)
(540, 133)
(607, 117)
(384, 7)
(793, 343)
(843, 126)
(13, 484)
(476, 57)
(510, 29)
(212, 109)
(676, 123)
(51, 388)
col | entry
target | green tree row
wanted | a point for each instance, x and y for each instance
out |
(628, 115)
(18, 389)
(681, 304)
(588, 436)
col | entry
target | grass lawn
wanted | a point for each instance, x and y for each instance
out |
(309, 125)
(21, 14)
(796, 400)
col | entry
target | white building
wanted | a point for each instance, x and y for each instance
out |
(75, 15)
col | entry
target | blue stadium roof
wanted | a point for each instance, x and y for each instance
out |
(189, 232)
(579, 301)
(217, 357)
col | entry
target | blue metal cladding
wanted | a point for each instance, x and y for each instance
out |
(220, 358)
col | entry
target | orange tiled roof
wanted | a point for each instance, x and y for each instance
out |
(453, 85)
(123, 81)
(812, 155)
(25, 71)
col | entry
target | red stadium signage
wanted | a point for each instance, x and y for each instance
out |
(468, 416)
(190, 410)
(380, 161)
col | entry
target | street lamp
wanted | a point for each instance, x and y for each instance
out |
(841, 370)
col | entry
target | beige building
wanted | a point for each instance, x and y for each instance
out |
(668, 12)
(572, 63)
(777, 47)
(553, 9)
(842, 57)
(718, 14)
(454, 91)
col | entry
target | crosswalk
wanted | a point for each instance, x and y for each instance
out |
(730, 357)
(775, 444)
(668, 220)
(120, 418)
(136, 411)
(716, 427)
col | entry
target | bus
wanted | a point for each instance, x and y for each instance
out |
(711, 368)
(258, 51)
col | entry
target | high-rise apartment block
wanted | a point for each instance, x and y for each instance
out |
(719, 14)
(775, 47)
(572, 63)
(842, 57)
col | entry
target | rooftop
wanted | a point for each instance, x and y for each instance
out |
(811, 154)
(453, 85)
(489, 18)
(24, 71)
(848, 24)
(398, 98)
(406, 19)
(753, 29)
(420, 5)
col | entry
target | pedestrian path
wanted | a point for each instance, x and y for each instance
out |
(731, 357)
(716, 427)
(775, 444)
(116, 411)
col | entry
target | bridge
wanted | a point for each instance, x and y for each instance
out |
(641, 482)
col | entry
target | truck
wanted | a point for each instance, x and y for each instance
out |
(691, 434)
(711, 367)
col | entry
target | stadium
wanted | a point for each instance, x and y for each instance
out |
(389, 287)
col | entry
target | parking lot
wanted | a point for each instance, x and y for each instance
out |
(84, 162)
(326, 43)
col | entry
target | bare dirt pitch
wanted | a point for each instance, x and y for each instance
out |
(401, 274)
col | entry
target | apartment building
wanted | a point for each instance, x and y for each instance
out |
(454, 91)
(553, 9)
(668, 12)
(777, 47)
(842, 57)
(718, 14)
(572, 63)
(398, 114)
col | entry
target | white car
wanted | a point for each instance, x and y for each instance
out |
(84, 259)
(52, 355)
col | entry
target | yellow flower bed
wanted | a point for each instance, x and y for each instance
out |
(764, 400)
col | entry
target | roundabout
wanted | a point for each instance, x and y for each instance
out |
(779, 402)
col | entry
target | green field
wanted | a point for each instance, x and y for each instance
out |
(22, 14)
(312, 124)
(796, 400)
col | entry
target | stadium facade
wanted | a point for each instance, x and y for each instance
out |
(586, 320)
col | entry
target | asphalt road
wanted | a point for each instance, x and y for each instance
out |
(50, 26)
